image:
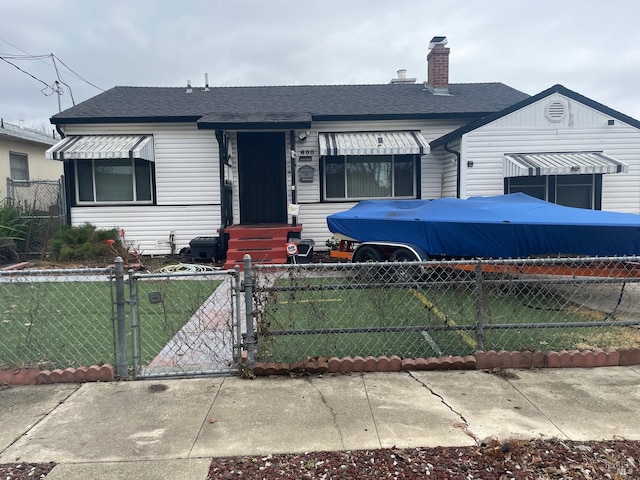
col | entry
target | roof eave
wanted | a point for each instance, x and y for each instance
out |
(458, 133)
(113, 120)
(399, 116)
(253, 125)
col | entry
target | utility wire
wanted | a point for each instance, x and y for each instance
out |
(53, 59)
(32, 76)
(76, 74)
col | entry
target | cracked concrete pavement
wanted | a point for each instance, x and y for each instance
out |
(158, 425)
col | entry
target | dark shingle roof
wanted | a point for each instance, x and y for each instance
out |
(233, 105)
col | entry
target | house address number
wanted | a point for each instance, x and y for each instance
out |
(307, 152)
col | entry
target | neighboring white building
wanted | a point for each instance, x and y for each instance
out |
(22, 155)
(172, 164)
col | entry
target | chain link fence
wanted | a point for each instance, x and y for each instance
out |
(56, 318)
(438, 308)
(41, 204)
(146, 324)
(185, 323)
(191, 323)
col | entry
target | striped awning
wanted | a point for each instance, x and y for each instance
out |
(373, 143)
(560, 163)
(98, 147)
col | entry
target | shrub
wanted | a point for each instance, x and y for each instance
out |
(84, 243)
(12, 230)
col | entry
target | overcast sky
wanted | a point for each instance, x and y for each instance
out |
(590, 46)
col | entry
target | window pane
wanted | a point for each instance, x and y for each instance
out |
(84, 171)
(114, 180)
(368, 176)
(143, 180)
(334, 177)
(19, 166)
(532, 186)
(574, 196)
(403, 176)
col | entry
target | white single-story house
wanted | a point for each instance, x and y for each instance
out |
(168, 165)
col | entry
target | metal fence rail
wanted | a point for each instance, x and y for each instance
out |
(439, 308)
(185, 323)
(56, 318)
(201, 323)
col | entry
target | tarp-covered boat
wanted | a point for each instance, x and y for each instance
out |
(504, 226)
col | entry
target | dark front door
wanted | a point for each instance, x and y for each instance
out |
(262, 178)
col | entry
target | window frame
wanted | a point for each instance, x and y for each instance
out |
(15, 157)
(552, 183)
(415, 163)
(135, 172)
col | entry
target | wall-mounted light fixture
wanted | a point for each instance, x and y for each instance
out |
(303, 135)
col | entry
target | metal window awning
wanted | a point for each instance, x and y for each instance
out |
(98, 147)
(373, 143)
(561, 163)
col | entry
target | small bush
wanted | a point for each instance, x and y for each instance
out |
(84, 243)
(12, 230)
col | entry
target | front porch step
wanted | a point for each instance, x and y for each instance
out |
(266, 244)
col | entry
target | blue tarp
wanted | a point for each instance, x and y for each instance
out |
(504, 226)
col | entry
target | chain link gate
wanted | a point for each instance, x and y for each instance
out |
(185, 323)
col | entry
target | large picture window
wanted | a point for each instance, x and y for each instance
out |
(114, 181)
(582, 191)
(355, 177)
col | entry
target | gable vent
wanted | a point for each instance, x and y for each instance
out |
(555, 111)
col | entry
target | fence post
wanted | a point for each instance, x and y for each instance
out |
(237, 319)
(135, 327)
(479, 327)
(121, 359)
(248, 302)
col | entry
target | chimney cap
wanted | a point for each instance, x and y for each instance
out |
(437, 41)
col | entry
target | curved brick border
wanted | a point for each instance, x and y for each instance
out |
(482, 360)
(35, 376)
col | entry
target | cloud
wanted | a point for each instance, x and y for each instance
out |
(589, 46)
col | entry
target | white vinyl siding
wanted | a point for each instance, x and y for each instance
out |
(529, 131)
(186, 160)
(187, 188)
(150, 226)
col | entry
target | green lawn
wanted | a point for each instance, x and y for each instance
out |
(69, 324)
(434, 310)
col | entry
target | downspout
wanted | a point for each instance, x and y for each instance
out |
(294, 196)
(222, 160)
(458, 167)
(66, 170)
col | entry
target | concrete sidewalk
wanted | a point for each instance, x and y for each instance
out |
(173, 428)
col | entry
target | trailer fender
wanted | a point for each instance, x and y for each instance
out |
(388, 251)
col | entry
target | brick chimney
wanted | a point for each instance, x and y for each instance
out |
(438, 66)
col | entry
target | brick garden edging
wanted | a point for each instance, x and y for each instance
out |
(35, 376)
(482, 360)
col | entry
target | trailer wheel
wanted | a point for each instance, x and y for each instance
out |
(368, 254)
(408, 273)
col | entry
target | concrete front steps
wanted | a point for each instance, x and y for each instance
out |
(265, 243)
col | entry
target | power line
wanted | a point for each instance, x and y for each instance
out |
(32, 76)
(76, 74)
(41, 58)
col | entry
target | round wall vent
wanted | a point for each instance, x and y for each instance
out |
(556, 111)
